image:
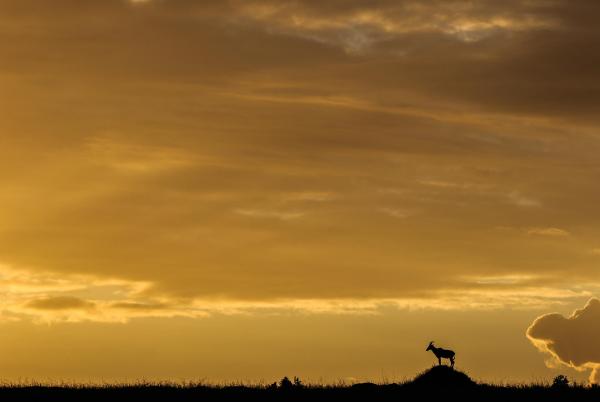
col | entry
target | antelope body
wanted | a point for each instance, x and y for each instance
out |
(441, 353)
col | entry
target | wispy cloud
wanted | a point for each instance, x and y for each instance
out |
(132, 157)
(521, 200)
(513, 279)
(356, 28)
(548, 231)
(267, 213)
(398, 213)
(444, 184)
(314, 196)
(54, 297)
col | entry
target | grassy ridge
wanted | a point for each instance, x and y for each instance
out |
(439, 383)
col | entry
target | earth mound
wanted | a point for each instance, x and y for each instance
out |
(443, 377)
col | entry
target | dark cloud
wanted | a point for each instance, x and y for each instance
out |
(60, 303)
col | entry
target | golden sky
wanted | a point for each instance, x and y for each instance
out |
(241, 190)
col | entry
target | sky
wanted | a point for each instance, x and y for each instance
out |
(241, 190)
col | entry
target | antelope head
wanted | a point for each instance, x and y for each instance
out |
(430, 346)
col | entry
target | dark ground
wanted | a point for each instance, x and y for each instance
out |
(441, 383)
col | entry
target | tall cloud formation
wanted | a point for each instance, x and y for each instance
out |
(573, 341)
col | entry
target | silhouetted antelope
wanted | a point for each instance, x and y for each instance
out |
(441, 354)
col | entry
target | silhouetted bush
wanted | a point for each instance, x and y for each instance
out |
(560, 381)
(285, 383)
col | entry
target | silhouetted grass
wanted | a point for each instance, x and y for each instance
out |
(440, 383)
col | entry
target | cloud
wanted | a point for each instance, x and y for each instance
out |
(54, 297)
(265, 213)
(503, 280)
(520, 200)
(398, 213)
(60, 303)
(444, 184)
(81, 298)
(310, 196)
(573, 341)
(139, 306)
(549, 231)
(116, 153)
(357, 26)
